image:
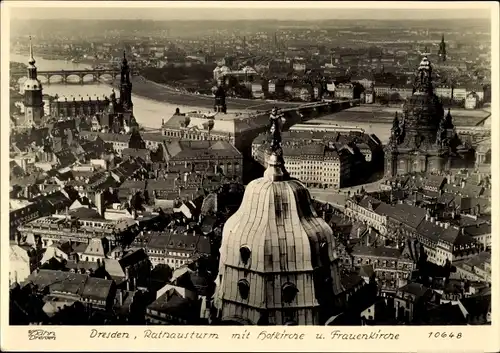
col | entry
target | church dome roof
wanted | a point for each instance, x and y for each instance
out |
(423, 109)
(275, 217)
(276, 253)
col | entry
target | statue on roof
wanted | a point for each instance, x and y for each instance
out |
(277, 120)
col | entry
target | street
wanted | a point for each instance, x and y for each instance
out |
(337, 198)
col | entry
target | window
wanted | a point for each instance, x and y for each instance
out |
(243, 288)
(289, 292)
(245, 253)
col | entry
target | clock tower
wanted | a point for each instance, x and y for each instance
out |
(33, 96)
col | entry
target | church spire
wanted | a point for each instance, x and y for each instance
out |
(32, 72)
(442, 49)
(32, 58)
(124, 58)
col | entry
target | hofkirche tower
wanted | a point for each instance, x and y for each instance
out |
(277, 263)
(33, 95)
(125, 85)
(424, 139)
(442, 50)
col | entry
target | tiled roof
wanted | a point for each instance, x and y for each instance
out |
(180, 150)
(74, 283)
(406, 214)
(477, 305)
(134, 152)
(416, 289)
(133, 258)
(65, 158)
(113, 268)
(95, 248)
(468, 190)
(434, 180)
(86, 213)
(362, 250)
(106, 137)
(478, 229)
(182, 242)
(173, 304)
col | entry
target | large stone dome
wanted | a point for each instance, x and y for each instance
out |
(277, 263)
(422, 111)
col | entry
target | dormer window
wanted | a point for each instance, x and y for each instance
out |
(289, 292)
(245, 253)
(243, 288)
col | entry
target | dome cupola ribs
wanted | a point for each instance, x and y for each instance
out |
(277, 256)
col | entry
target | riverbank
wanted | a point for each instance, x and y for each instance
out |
(161, 93)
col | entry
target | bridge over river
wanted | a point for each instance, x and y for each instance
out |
(68, 76)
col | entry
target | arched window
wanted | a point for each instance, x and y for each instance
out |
(243, 288)
(245, 253)
(289, 292)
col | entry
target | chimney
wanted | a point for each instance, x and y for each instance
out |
(427, 217)
(463, 184)
(359, 232)
(433, 219)
(447, 225)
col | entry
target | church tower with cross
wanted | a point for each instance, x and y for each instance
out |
(33, 95)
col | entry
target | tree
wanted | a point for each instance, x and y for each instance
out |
(161, 273)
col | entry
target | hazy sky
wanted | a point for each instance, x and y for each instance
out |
(248, 10)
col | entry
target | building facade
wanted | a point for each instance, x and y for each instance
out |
(111, 114)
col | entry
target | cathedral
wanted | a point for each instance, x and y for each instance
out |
(110, 113)
(424, 139)
(277, 262)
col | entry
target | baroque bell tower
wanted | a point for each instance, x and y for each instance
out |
(33, 96)
(442, 50)
(125, 86)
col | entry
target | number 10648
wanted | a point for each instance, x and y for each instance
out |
(456, 335)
